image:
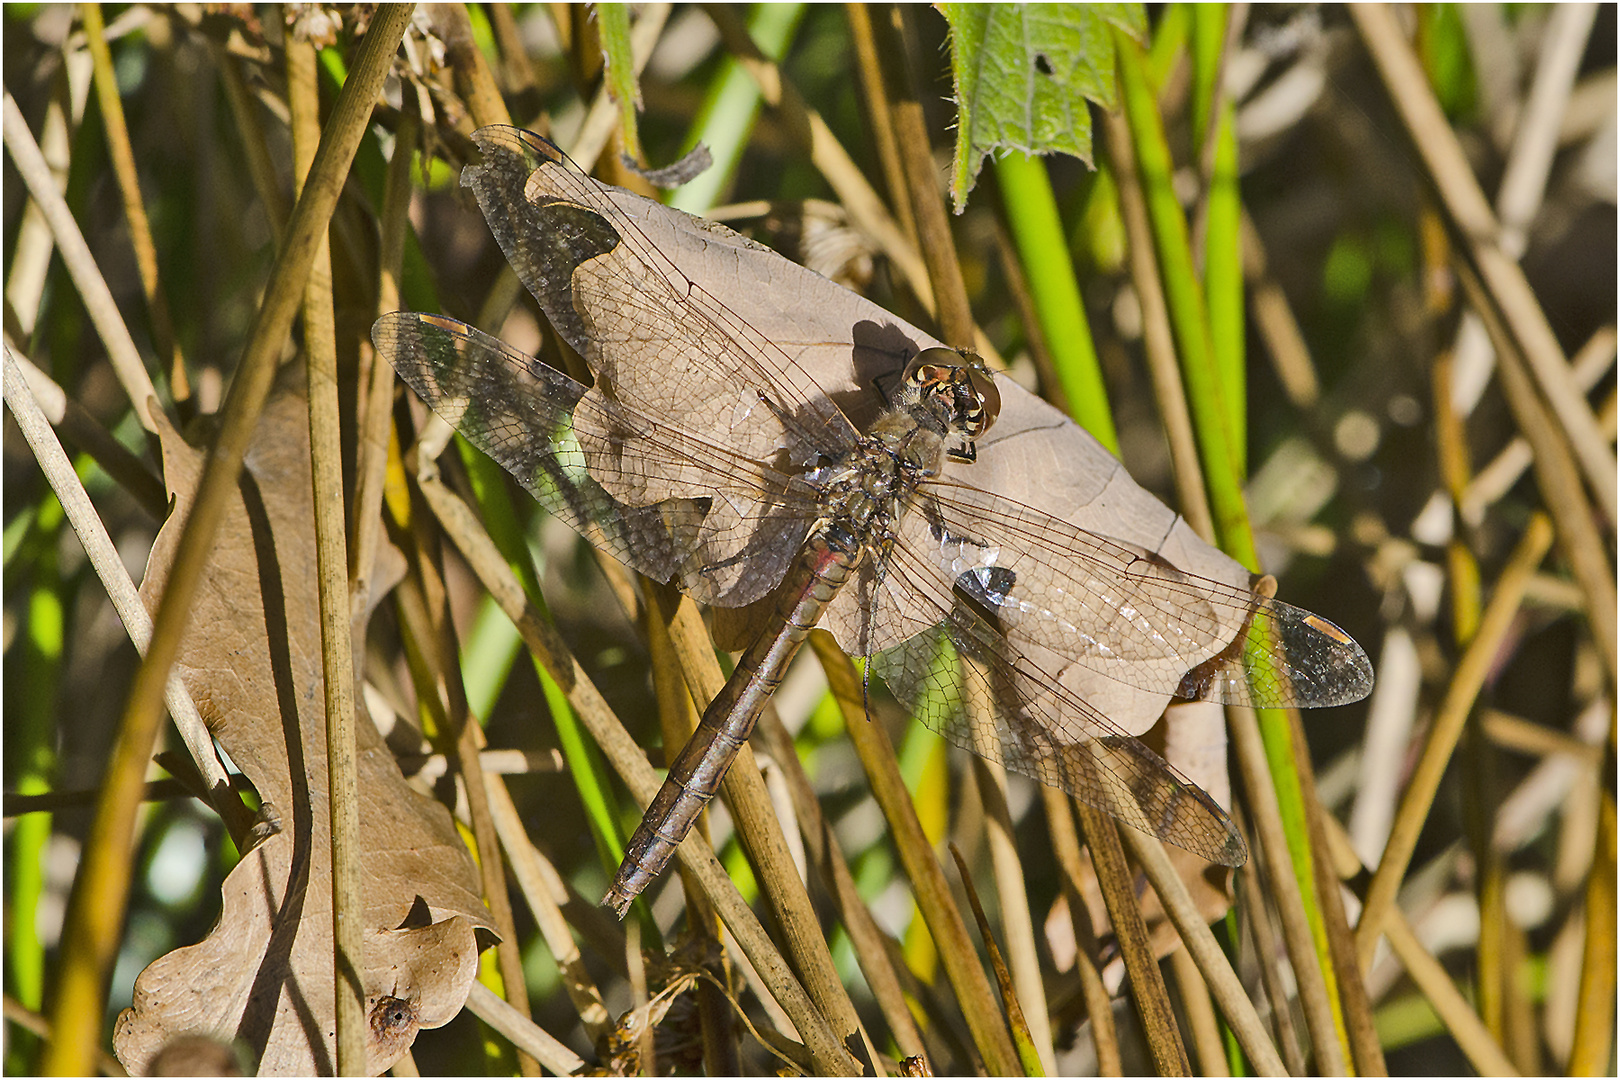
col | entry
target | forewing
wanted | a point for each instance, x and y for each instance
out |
(656, 342)
(728, 545)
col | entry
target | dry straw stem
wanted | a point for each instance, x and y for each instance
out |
(1016, 1021)
(1594, 1015)
(1158, 342)
(474, 82)
(879, 116)
(245, 113)
(332, 579)
(98, 545)
(896, 38)
(956, 952)
(530, 1039)
(1320, 1019)
(1201, 1024)
(1275, 323)
(865, 208)
(1366, 1052)
(1431, 977)
(81, 265)
(84, 431)
(543, 889)
(1472, 219)
(1445, 730)
(1224, 984)
(425, 623)
(677, 721)
(760, 831)
(1099, 1007)
(375, 425)
(1136, 949)
(1560, 486)
(17, 1013)
(630, 761)
(825, 854)
(95, 915)
(122, 155)
(1016, 923)
(1269, 957)
(1590, 363)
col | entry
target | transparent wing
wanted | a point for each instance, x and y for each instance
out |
(656, 341)
(962, 679)
(567, 446)
(1117, 609)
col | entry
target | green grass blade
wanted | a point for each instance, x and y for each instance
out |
(725, 121)
(1038, 233)
(1207, 399)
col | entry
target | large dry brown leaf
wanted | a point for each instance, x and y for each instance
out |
(252, 660)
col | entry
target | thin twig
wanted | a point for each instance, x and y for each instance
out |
(104, 559)
(1224, 984)
(1476, 225)
(81, 266)
(1446, 728)
(523, 1033)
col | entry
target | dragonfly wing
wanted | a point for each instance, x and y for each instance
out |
(728, 544)
(657, 342)
(1124, 612)
(964, 680)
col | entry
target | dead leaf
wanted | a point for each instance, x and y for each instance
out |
(252, 660)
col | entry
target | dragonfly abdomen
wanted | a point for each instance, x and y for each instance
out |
(829, 558)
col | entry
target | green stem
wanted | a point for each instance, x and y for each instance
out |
(1037, 230)
(726, 118)
(1207, 395)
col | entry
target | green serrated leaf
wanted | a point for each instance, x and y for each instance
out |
(1023, 75)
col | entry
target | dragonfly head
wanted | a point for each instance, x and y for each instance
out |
(953, 388)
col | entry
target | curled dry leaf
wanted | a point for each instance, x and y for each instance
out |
(252, 660)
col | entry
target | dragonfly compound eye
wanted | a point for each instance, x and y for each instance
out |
(962, 384)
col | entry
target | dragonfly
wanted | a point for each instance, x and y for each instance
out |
(794, 456)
